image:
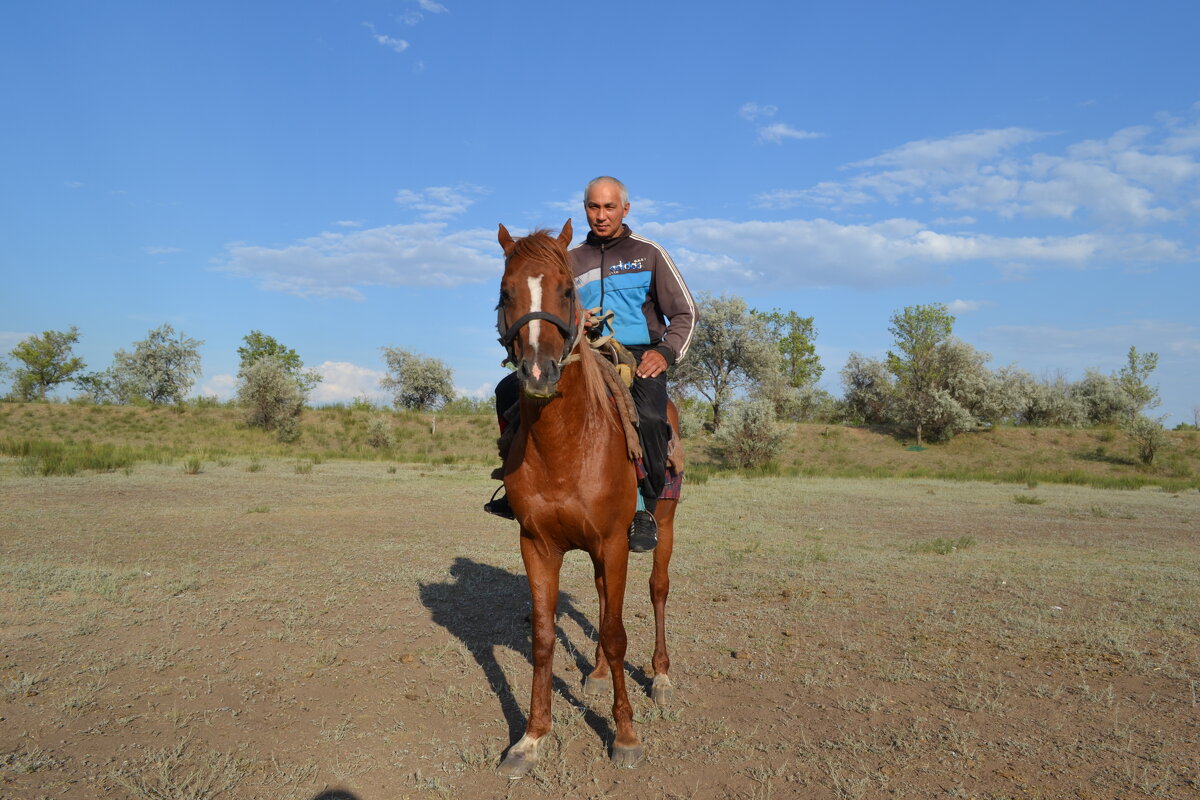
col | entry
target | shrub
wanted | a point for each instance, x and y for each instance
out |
(272, 397)
(692, 418)
(379, 432)
(749, 436)
(1150, 437)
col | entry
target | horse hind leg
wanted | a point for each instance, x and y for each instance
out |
(661, 689)
(627, 750)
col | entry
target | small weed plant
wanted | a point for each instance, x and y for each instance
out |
(942, 546)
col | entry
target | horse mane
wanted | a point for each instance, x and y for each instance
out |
(543, 247)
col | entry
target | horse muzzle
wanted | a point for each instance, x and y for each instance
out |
(539, 378)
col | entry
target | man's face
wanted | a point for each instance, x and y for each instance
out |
(604, 208)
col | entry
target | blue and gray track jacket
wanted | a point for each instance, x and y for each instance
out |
(636, 279)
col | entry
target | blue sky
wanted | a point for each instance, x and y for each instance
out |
(333, 174)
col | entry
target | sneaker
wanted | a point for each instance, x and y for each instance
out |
(499, 505)
(643, 533)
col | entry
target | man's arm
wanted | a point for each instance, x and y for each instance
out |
(675, 304)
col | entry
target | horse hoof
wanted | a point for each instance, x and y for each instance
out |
(661, 690)
(627, 757)
(516, 765)
(594, 686)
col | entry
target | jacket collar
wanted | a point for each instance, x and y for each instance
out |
(596, 241)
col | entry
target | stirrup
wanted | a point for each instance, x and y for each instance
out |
(499, 507)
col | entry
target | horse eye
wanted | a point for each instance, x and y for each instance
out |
(504, 296)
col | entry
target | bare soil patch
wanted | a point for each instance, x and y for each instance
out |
(276, 633)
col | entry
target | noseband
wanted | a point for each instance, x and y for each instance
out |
(570, 334)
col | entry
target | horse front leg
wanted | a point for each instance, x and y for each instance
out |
(542, 568)
(627, 750)
(661, 689)
(600, 678)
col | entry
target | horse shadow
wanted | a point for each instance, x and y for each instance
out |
(487, 607)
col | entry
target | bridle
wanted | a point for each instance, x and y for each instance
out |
(570, 333)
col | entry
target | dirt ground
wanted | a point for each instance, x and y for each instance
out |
(282, 632)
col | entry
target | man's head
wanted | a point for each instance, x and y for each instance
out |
(606, 203)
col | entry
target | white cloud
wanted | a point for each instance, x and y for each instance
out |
(335, 264)
(1139, 175)
(348, 223)
(481, 392)
(779, 131)
(1102, 348)
(821, 253)
(161, 251)
(392, 43)
(753, 111)
(440, 202)
(432, 7)
(223, 387)
(74, 185)
(954, 155)
(342, 382)
(965, 306)
(9, 340)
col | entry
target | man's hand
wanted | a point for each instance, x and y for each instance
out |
(652, 364)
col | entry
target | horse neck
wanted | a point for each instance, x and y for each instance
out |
(568, 425)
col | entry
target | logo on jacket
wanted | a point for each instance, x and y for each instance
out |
(627, 266)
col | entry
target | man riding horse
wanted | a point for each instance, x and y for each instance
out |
(619, 272)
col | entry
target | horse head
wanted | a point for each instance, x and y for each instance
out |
(538, 315)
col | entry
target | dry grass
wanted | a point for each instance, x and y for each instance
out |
(70, 439)
(269, 634)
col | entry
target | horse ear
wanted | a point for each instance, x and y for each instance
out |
(506, 241)
(564, 237)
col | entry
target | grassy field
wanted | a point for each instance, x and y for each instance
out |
(61, 438)
(271, 625)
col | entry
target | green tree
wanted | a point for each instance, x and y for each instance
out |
(45, 362)
(731, 349)
(1133, 379)
(161, 369)
(416, 382)
(1049, 403)
(271, 396)
(259, 345)
(795, 336)
(1102, 397)
(918, 331)
(870, 390)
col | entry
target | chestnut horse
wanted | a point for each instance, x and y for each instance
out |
(571, 484)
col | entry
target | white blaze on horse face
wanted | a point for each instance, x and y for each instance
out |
(535, 326)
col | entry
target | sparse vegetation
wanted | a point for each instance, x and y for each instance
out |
(830, 637)
(942, 546)
(88, 437)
